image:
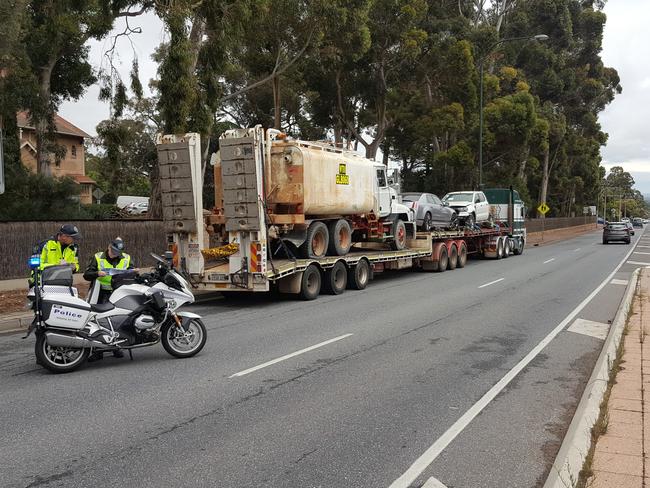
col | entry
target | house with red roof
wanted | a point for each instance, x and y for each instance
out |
(68, 136)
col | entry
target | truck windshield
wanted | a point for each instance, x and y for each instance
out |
(458, 197)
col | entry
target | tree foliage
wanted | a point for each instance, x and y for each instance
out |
(399, 78)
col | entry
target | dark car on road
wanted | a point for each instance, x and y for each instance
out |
(430, 212)
(616, 231)
(637, 222)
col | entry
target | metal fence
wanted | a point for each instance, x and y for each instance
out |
(141, 237)
(537, 225)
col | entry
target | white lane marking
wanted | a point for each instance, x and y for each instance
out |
(640, 263)
(576, 250)
(421, 463)
(639, 252)
(642, 246)
(293, 354)
(549, 260)
(598, 330)
(491, 283)
(619, 282)
(433, 483)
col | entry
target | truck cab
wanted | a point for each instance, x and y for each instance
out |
(387, 197)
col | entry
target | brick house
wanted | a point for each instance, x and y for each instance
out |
(73, 164)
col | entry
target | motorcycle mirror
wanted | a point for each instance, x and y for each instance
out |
(169, 256)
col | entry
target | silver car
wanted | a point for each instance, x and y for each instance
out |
(430, 212)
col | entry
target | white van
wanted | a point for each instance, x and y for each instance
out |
(125, 200)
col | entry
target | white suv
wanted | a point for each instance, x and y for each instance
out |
(471, 206)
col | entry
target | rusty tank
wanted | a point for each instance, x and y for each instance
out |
(318, 180)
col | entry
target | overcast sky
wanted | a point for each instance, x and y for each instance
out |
(626, 119)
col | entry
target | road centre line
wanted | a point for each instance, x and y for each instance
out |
(549, 260)
(576, 250)
(491, 283)
(430, 455)
(288, 356)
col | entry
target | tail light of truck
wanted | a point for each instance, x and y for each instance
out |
(256, 257)
(175, 256)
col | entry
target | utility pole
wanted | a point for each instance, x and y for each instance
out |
(2, 157)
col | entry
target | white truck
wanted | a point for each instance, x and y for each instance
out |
(253, 218)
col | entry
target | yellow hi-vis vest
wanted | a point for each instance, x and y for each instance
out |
(106, 282)
(52, 254)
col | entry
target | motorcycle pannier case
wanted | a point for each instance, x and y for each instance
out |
(65, 311)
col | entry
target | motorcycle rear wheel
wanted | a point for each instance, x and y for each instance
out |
(183, 342)
(58, 359)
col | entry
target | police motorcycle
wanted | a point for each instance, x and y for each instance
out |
(142, 311)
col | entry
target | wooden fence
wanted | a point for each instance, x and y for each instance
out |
(141, 237)
(536, 225)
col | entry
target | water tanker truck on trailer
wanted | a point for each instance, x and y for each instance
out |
(304, 217)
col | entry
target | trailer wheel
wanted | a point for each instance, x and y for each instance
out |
(317, 241)
(359, 275)
(399, 235)
(336, 279)
(453, 257)
(340, 238)
(462, 255)
(443, 259)
(506, 247)
(499, 248)
(311, 282)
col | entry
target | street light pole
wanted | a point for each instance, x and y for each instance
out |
(538, 37)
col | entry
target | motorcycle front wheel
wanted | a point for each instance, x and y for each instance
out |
(183, 342)
(58, 359)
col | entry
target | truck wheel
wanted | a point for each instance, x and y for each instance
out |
(399, 235)
(340, 238)
(506, 247)
(359, 275)
(519, 247)
(453, 257)
(462, 255)
(336, 279)
(443, 260)
(315, 246)
(310, 283)
(499, 248)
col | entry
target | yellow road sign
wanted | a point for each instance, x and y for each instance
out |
(543, 208)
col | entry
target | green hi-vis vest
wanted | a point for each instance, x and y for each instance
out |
(104, 264)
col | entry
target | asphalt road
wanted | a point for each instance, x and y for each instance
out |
(399, 377)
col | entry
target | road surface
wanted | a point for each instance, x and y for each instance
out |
(421, 375)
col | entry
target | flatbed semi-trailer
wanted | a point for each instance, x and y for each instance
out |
(248, 263)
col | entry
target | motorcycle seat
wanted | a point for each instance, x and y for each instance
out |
(102, 307)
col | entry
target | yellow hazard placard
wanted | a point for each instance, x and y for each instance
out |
(342, 178)
(543, 208)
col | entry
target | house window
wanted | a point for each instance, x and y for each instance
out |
(74, 152)
(57, 162)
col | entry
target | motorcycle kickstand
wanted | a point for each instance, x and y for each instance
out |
(131, 354)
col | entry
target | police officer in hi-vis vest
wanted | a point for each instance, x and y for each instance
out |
(98, 270)
(100, 265)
